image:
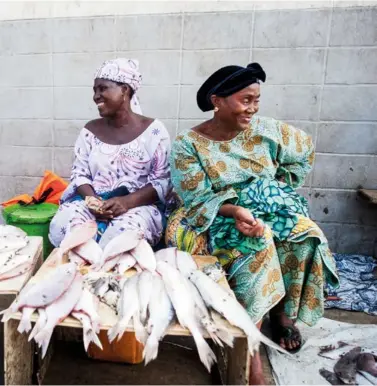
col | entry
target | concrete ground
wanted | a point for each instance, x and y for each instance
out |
(177, 363)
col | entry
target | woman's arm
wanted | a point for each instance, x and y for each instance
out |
(295, 155)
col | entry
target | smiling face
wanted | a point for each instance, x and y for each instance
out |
(110, 97)
(238, 109)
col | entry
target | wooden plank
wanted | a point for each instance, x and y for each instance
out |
(107, 315)
(18, 356)
(238, 363)
(17, 352)
(14, 285)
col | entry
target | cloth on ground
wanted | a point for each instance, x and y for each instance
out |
(303, 367)
(358, 284)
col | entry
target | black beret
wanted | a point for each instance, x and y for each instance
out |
(227, 81)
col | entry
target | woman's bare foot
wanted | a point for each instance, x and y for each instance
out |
(284, 331)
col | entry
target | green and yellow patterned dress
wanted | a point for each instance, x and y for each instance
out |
(292, 259)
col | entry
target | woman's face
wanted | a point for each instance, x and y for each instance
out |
(239, 108)
(109, 97)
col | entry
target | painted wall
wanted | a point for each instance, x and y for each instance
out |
(320, 59)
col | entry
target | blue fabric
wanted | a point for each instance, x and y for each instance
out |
(358, 284)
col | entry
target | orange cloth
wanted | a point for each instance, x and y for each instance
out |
(50, 189)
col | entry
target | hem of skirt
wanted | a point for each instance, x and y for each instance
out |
(269, 309)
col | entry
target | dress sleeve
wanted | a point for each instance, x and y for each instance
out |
(81, 174)
(193, 186)
(159, 176)
(295, 155)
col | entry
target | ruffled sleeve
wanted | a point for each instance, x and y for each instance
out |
(81, 173)
(201, 201)
(295, 155)
(159, 176)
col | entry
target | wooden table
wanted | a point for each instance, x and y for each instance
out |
(16, 370)
(233, 363)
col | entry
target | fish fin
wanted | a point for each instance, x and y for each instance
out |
(24, 325)
(96, 340)
(43, 338)
(117, 330)
(140, 332)
(150, 350)
(254, 344)
(87, 339)
(34, 332)
(7, 313)
(225, 335)
(207, 356)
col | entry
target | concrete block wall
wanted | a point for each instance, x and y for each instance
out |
(321, 69)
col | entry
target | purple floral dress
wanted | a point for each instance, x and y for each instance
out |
(145, 160)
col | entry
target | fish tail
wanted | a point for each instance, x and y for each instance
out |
(207, 356)
(34, 331)
(87, 338)
(140, 332)
(150, 350)
(43, 338)
(225, 335)
(117, 330)
(24, 325)
(253, 344)
(96, 340)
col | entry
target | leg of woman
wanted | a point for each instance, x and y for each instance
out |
(69, 215)
(256, 376)
(146, 219)
(305, 262)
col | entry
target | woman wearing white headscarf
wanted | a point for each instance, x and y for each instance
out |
(121, 158)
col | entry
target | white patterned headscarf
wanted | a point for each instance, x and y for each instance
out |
(123, 70)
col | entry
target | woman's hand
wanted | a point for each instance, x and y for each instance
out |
(247, 224)
(116, 205)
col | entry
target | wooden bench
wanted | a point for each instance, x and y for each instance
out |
(234, 363)
(17, 353)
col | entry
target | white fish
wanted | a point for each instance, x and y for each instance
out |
(184, 306)
(12, 243)
(140, 330)
(185, 263)
(144, 255)
(227, 306)
(110, 264)
(58, 311)
(168, 255)
(7, 230)
(73, 257)
(25, 322)
(15, 261)
(40, 323)
(4, 256)
(77, 236)
(145, 289)
(125, 262)
(88, 304)
(90, 251)
(16, 271)
(161, 314)
(217, 333)
(44, 292)
(122, 243)
(128, 305)
(88, 332)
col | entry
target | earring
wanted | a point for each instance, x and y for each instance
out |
(216, 109)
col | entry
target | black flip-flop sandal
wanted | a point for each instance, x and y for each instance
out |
(287, 332)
